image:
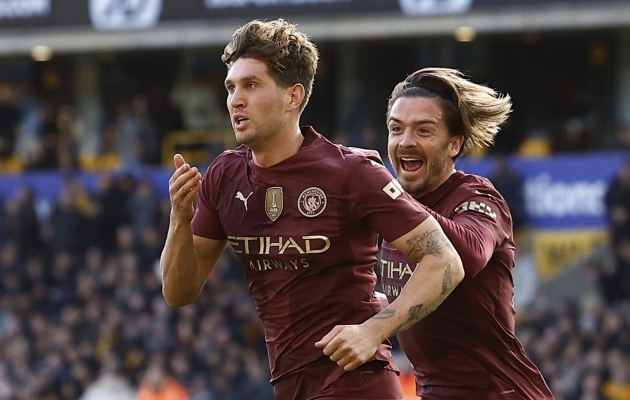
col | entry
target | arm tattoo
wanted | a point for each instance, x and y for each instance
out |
(415, 314)
(385, 314)
(430, 242)
(418, 312)
(447, 282)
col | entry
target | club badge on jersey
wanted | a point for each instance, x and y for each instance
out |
(312, 202)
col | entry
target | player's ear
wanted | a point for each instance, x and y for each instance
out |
(455, 144)
(297, 94)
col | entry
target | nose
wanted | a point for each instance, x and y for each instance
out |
(408, 139)
(235, 99)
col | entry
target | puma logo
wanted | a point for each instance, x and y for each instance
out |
(240, 196)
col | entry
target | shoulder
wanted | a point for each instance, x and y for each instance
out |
(225, 168)
(357, 156)
(475, 185)
(477, 193)
(229, 159)
(342, 157)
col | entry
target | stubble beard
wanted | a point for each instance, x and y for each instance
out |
(252, 138)
(433, 173)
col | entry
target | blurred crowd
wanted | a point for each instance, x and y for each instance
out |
(45, 132)
(81, 310)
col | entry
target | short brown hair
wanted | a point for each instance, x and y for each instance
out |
(470, 109)
(289, 54)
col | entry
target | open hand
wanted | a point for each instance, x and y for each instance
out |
(183, 188)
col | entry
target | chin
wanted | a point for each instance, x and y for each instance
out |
(244, 138)
(407, 185)
(411, 186)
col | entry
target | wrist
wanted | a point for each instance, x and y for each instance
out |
(379, 327)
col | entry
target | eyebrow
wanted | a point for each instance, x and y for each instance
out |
(245, 78)
(418, 122)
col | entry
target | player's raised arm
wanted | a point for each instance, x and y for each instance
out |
(438, 272)
(186, 260)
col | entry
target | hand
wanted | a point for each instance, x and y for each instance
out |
(349, 345)
(183, 188)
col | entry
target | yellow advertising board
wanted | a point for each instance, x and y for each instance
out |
(555, 249)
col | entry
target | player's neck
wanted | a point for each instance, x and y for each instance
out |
(281, 147)
(443, 178)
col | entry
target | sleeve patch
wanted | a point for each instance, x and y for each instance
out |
(476, 206)
(393, 189)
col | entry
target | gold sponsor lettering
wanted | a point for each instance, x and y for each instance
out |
(291, 243)
(270, 244)
(235, 242)
(308, 239)
(265, 245)
(267, 265)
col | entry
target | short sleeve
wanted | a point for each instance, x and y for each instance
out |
(207, 222)
(377, 198)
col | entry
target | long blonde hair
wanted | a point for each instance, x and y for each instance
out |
(472, 110)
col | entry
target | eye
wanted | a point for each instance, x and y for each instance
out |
(424, 132)
(229, 88)
(250, 85)
(395, 129)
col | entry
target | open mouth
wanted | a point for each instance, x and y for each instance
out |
(239, 121)
(410, 164)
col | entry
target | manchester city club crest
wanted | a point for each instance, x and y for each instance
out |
(274, 202)
(312, 202)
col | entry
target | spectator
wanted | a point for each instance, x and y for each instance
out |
(137, 136)
(110, 385)
(143, 207)
(20, 222)
(112, 194)
(68, 134)
(65, 222)
(510, 184)
(621, 139)
(617, 200)
(158, 385)
(609, 278)
(9, 121)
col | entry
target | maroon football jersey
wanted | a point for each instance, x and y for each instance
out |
(467, 348)
(305, 231)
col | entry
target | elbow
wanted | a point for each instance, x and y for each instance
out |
(457, 269)
(176, 301)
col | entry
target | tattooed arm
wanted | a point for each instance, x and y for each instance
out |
(438, 272)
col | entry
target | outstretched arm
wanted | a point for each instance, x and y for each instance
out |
(438, 272)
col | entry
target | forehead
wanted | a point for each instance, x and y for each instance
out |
(247, 67)
(416, 108)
